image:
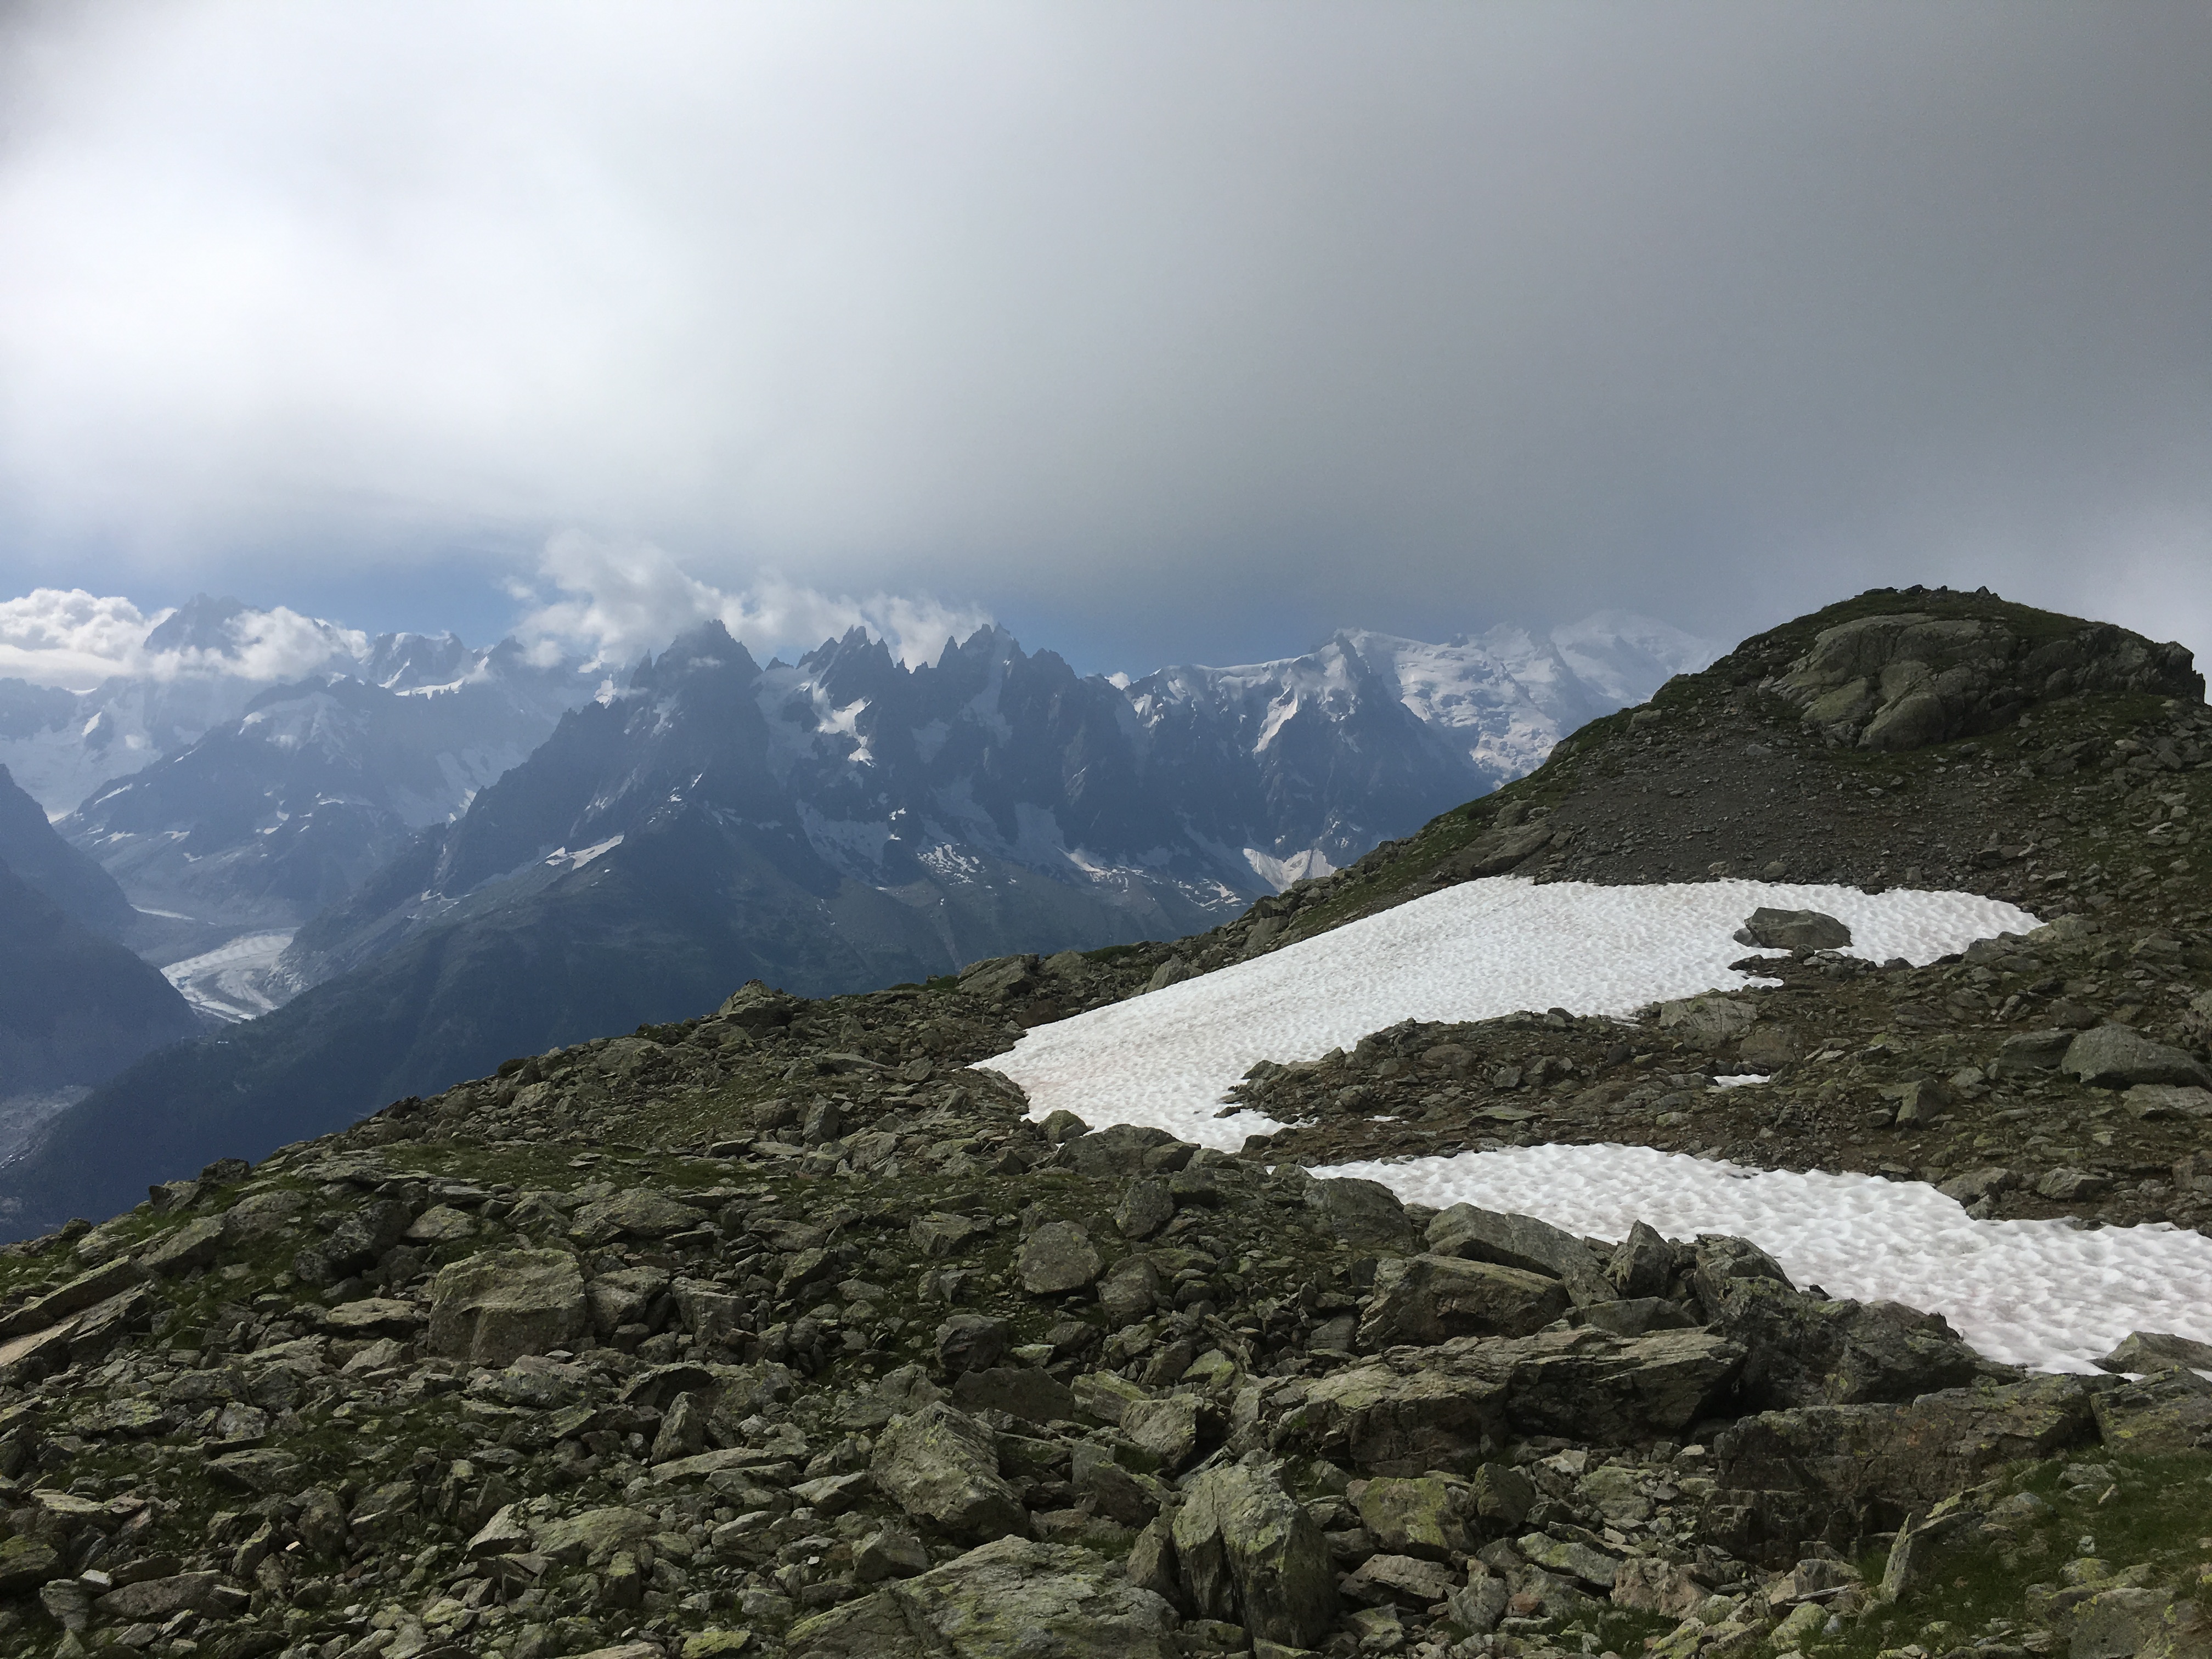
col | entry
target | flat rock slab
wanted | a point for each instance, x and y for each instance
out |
(1007, 1597)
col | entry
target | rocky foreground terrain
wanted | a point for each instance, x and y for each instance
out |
(787, 1331)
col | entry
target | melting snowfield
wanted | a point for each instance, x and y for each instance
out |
(1474, 951)
(2034, 1293)
(2037, 1293)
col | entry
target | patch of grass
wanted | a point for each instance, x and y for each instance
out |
(2158, 1518)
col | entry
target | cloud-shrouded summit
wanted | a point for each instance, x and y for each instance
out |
(620, 599)
(1167, 336)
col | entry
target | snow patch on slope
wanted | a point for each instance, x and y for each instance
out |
(2036, 1293)
(1474, 951)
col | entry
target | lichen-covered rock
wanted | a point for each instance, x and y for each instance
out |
(1010, 1596)
(493, 1307)
(1249, 1552)
(941, 1466)
(1362, 1212)
(1446, 1407)
(192, 1245)
(1909, 680)
(638, 1212)
(1056, 1258)
(1427, 1299)
(1133, 1290)
(2168, 1411)
(1708, 1021)
(592, 1539)
(1801, 1350)
(1431, 1517)
(2158, 1351)
(1168, 1428)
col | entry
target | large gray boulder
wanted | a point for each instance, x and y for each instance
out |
(1522, 1242)
(1431, 1517)
(1497, 851)
(1427, 1299)
(2027, 1053)
(1115, 1151)
(2158, 1351)
(1251, 1554)
(1794, 930)
(1057, 1258)
(1362, 1212)
(941, 1466)
(1410, 1411)
(2112, 1057)
(1710, 1021)
(1801, 1351)
(637, 1212)
(1009, 1596)
(496, 1306)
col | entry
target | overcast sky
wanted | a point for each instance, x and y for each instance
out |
(1159, 332)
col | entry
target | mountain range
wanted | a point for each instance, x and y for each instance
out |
(830, 824)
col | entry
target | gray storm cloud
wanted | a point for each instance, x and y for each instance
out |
(1133, 312)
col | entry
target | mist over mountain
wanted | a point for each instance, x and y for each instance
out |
(267, 818)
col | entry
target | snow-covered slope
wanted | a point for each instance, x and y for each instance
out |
(1472, 951)
(2038, 1293)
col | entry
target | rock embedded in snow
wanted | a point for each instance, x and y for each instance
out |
(2158, 1351)
(1519, 1241)
(1793, 930)
(2042, 1294)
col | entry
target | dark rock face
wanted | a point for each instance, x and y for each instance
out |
(1910, 679)
(1800, 1351)
(75, 1007)
(35, 851)
(1839, 1471)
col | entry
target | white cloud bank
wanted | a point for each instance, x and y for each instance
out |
(622, 598)
(1140, 311)
(69, 638)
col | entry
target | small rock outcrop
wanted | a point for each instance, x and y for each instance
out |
(1909, 680)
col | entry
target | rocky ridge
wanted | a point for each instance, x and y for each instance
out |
(787, 1331)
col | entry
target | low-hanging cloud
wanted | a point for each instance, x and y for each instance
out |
(76, 640)
(620, 599)
(1140, 317)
